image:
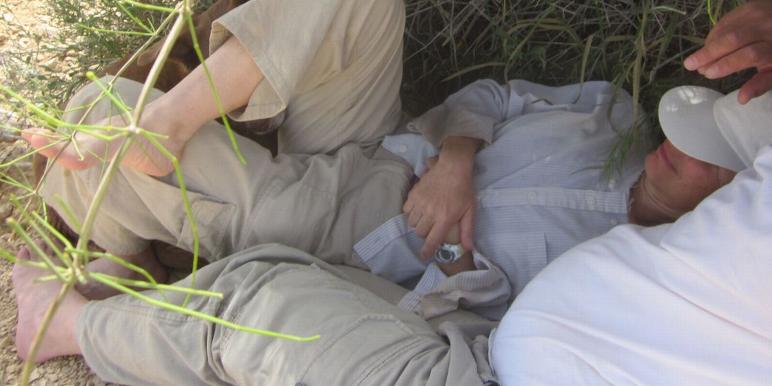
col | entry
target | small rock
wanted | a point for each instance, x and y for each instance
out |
(6, 210)
(35, 374)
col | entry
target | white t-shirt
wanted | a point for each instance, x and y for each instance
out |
(688, 303)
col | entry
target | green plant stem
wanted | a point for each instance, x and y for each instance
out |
(148, 7)
(203, 316)
(711, 15)
(102, 30)
(157, 286)
(133, 58)
(123, 263)
(155, 70)
(187, 206)
(210, 80)
(104, 183)
(88, 223)
(135, 19)
(35, 247)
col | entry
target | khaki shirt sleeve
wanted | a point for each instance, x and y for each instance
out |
(282, 38)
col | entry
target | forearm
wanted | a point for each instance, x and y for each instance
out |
(191, 103)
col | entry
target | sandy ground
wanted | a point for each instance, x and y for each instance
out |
(67, 371)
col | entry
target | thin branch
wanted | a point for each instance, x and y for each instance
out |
(29, 364)
(203, 316)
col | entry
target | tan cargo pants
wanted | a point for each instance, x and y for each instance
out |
(365, 340)
(321, 204)
(332, 71)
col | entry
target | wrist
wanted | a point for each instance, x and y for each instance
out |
(466, 145)
(459, 152)
(465, 263)
(160, 117)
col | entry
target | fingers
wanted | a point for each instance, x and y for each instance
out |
(435, 238)
(409, 204)
(50, 145)
(413, 217)
(730, 21)
(411, 211)
(42, 141)
(752, 56)
(738, 28)
(466, 227)
(723, 45)
(756, 86)
(745, 26)
(741, 40)
(424, 226)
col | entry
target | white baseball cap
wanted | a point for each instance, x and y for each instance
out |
(714, 127)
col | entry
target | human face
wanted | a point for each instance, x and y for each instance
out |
(679, 182)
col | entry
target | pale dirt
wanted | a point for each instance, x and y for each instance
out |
(66, 371)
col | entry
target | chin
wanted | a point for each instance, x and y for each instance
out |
(650, 163)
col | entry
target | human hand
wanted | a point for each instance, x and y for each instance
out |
(88, 149)
(442, 199)
(742, 39)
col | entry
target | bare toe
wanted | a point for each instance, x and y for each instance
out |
(33, 300)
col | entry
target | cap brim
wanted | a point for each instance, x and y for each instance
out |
(747, 128)
(686, 117)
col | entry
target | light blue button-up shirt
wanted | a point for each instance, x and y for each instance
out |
(540, 184)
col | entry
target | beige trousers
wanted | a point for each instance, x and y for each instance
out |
(332, 71)
(321, 204)
(365, 340)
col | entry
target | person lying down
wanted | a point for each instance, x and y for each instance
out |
(681, 303)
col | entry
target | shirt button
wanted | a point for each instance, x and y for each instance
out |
(401, 148)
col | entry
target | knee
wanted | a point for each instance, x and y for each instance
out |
(90, 104)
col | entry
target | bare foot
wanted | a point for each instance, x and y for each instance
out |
(33, 300)
(142, 156)
(97, 291)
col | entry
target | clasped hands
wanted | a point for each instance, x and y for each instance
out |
(444, 199)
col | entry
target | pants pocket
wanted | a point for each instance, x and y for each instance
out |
(212, 221)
